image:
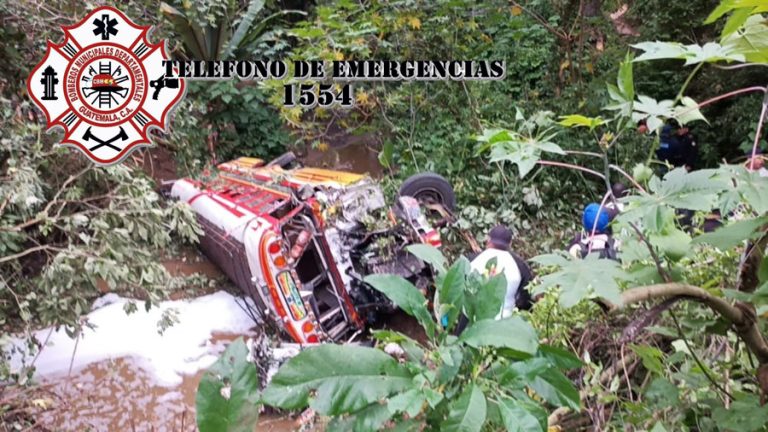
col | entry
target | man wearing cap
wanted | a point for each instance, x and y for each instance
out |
(495, 259)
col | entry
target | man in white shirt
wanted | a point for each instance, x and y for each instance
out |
(496, 259)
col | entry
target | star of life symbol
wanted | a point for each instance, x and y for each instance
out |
(104, 85)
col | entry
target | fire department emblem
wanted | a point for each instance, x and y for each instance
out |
(105, 86)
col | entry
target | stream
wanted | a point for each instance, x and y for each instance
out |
(122, 375)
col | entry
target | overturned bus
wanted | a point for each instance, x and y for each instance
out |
(298, 240)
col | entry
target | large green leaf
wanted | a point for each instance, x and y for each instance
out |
(625, 80)
(750, 187)
(733, 234)
(735, 21)
(386, 154)
(751, 40)
(710, 52)
(559, 357)
(191, 33)
(557, 389)
(623, 93)
(341, 378)
(661, 393)
(745, 414)
(429, 254)
(254, 7)
(514, 333)
(522, 147)
(451, 357)
(672, 242)
(582, 278)
(227, 398)
(651, 357)
(487, 300)
(578, 120)
(411, 347)
(449, 298)
(520, 416)
(466, 413)
(410, 425)
(659, 50)
(409, 402)
(652, 111)
(688, 111)
(696, 190)
(368, 419)
(543, 378)
(726, 6)
(404, 295)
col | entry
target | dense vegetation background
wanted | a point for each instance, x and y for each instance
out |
(69, 231)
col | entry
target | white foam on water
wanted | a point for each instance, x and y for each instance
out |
(183, 349)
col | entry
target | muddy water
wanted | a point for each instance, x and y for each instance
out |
(118, 394)
(357, 157)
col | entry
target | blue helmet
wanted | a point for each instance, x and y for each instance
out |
(592, 213)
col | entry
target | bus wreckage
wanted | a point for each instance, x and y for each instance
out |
(298, 241)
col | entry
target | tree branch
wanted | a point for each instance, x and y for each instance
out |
(26, 252)
(739, 315)
(572, 166)
(542, 21)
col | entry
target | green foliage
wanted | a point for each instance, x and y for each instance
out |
(733, 234)
(70, 231)
(342, 379)
(228, 394)
(467, 413)
(469, 383)
(710, 52)
(210, 31)
(750, 40)
(660, 252)
(523, 146)
(558, 58)
(429, 125)
(405, 295)
(58, 245)
(428, 254)
(577, 120)
(582, 278)
(237, 117)
(513, 333)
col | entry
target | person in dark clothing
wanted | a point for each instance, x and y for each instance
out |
(677, 147)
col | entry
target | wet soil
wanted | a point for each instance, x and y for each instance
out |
(405, 324)
(160, 163)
